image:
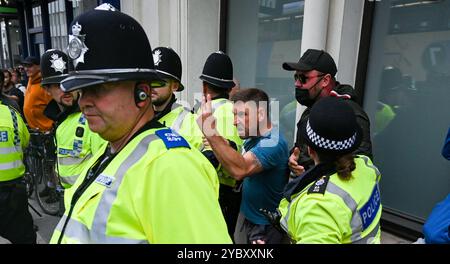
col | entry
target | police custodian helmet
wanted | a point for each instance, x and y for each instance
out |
(54, 67)
(168, 64)
(106, 45)
(218, 70)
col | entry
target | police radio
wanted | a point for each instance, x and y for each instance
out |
(139, 95)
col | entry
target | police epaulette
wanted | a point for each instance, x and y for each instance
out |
(171, 139)
(320, 185)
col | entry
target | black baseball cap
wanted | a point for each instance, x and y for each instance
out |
(313, 59)
(31, 60)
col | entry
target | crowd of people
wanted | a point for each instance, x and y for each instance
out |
(139, 167)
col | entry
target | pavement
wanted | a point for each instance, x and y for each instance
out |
(45, 223)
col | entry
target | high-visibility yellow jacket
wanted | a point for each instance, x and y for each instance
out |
(332, 210)
(182, 121)
(223, 112)
(14, 138)
(75, 144)
(155, 190)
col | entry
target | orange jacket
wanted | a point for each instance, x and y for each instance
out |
(36, 99)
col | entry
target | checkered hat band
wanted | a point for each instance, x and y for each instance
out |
(324, 143)
(16, 127)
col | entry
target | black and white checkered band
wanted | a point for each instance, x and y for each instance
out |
(322, 142)
(16, 127)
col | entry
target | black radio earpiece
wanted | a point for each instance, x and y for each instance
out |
(139, 95)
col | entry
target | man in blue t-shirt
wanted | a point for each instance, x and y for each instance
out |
(262, 166)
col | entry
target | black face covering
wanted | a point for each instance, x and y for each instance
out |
(302, 95)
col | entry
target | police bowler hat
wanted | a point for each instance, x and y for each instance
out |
(108, 46)
(31, 60)
(218, 70)
(331, 127)
(313, 59)
(54, 67)
(168, 64)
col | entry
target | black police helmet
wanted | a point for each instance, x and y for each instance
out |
(168, 64)
(218, 70)
(54, 66)
(108, 46)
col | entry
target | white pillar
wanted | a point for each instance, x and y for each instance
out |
(315, 24)
(147, 14)
(314, 36)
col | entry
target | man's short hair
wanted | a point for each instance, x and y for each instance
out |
(253, 95)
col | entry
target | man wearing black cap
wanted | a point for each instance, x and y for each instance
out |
(36, 99)
(218, 81)
(146, 185)
(75, 142)
(169, 113)
(315, 79)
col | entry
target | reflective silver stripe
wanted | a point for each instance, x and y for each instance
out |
(11, 165)
(75, 228)
(219, 104)
(174, 106)
(356, 221)
(171, 75)
(176, 126)
(106, 71)
(97, 234)
(377, 172)
(68, 179)
(218, 79)
(10, 150)
(284, 220)
(72, 160)
(369, 238)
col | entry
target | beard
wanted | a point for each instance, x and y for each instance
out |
(160, 100)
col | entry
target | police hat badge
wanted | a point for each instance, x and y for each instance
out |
(77, 48)
(108, 46)
(54, 66)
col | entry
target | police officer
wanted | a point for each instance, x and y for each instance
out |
(338, 199)
(16, 223)
(132, 190)
(75, 142)
(169, 113)
(217, 77)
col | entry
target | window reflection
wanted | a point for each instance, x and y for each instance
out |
(409, 74)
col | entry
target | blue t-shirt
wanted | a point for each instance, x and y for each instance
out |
(265, 189)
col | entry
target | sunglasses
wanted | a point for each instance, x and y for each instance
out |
(304, 79)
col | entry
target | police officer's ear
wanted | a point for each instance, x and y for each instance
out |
(176, 86)
(141, 94)
(313, 154)
(326, 80)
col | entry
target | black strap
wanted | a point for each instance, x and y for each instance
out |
(311, 175)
